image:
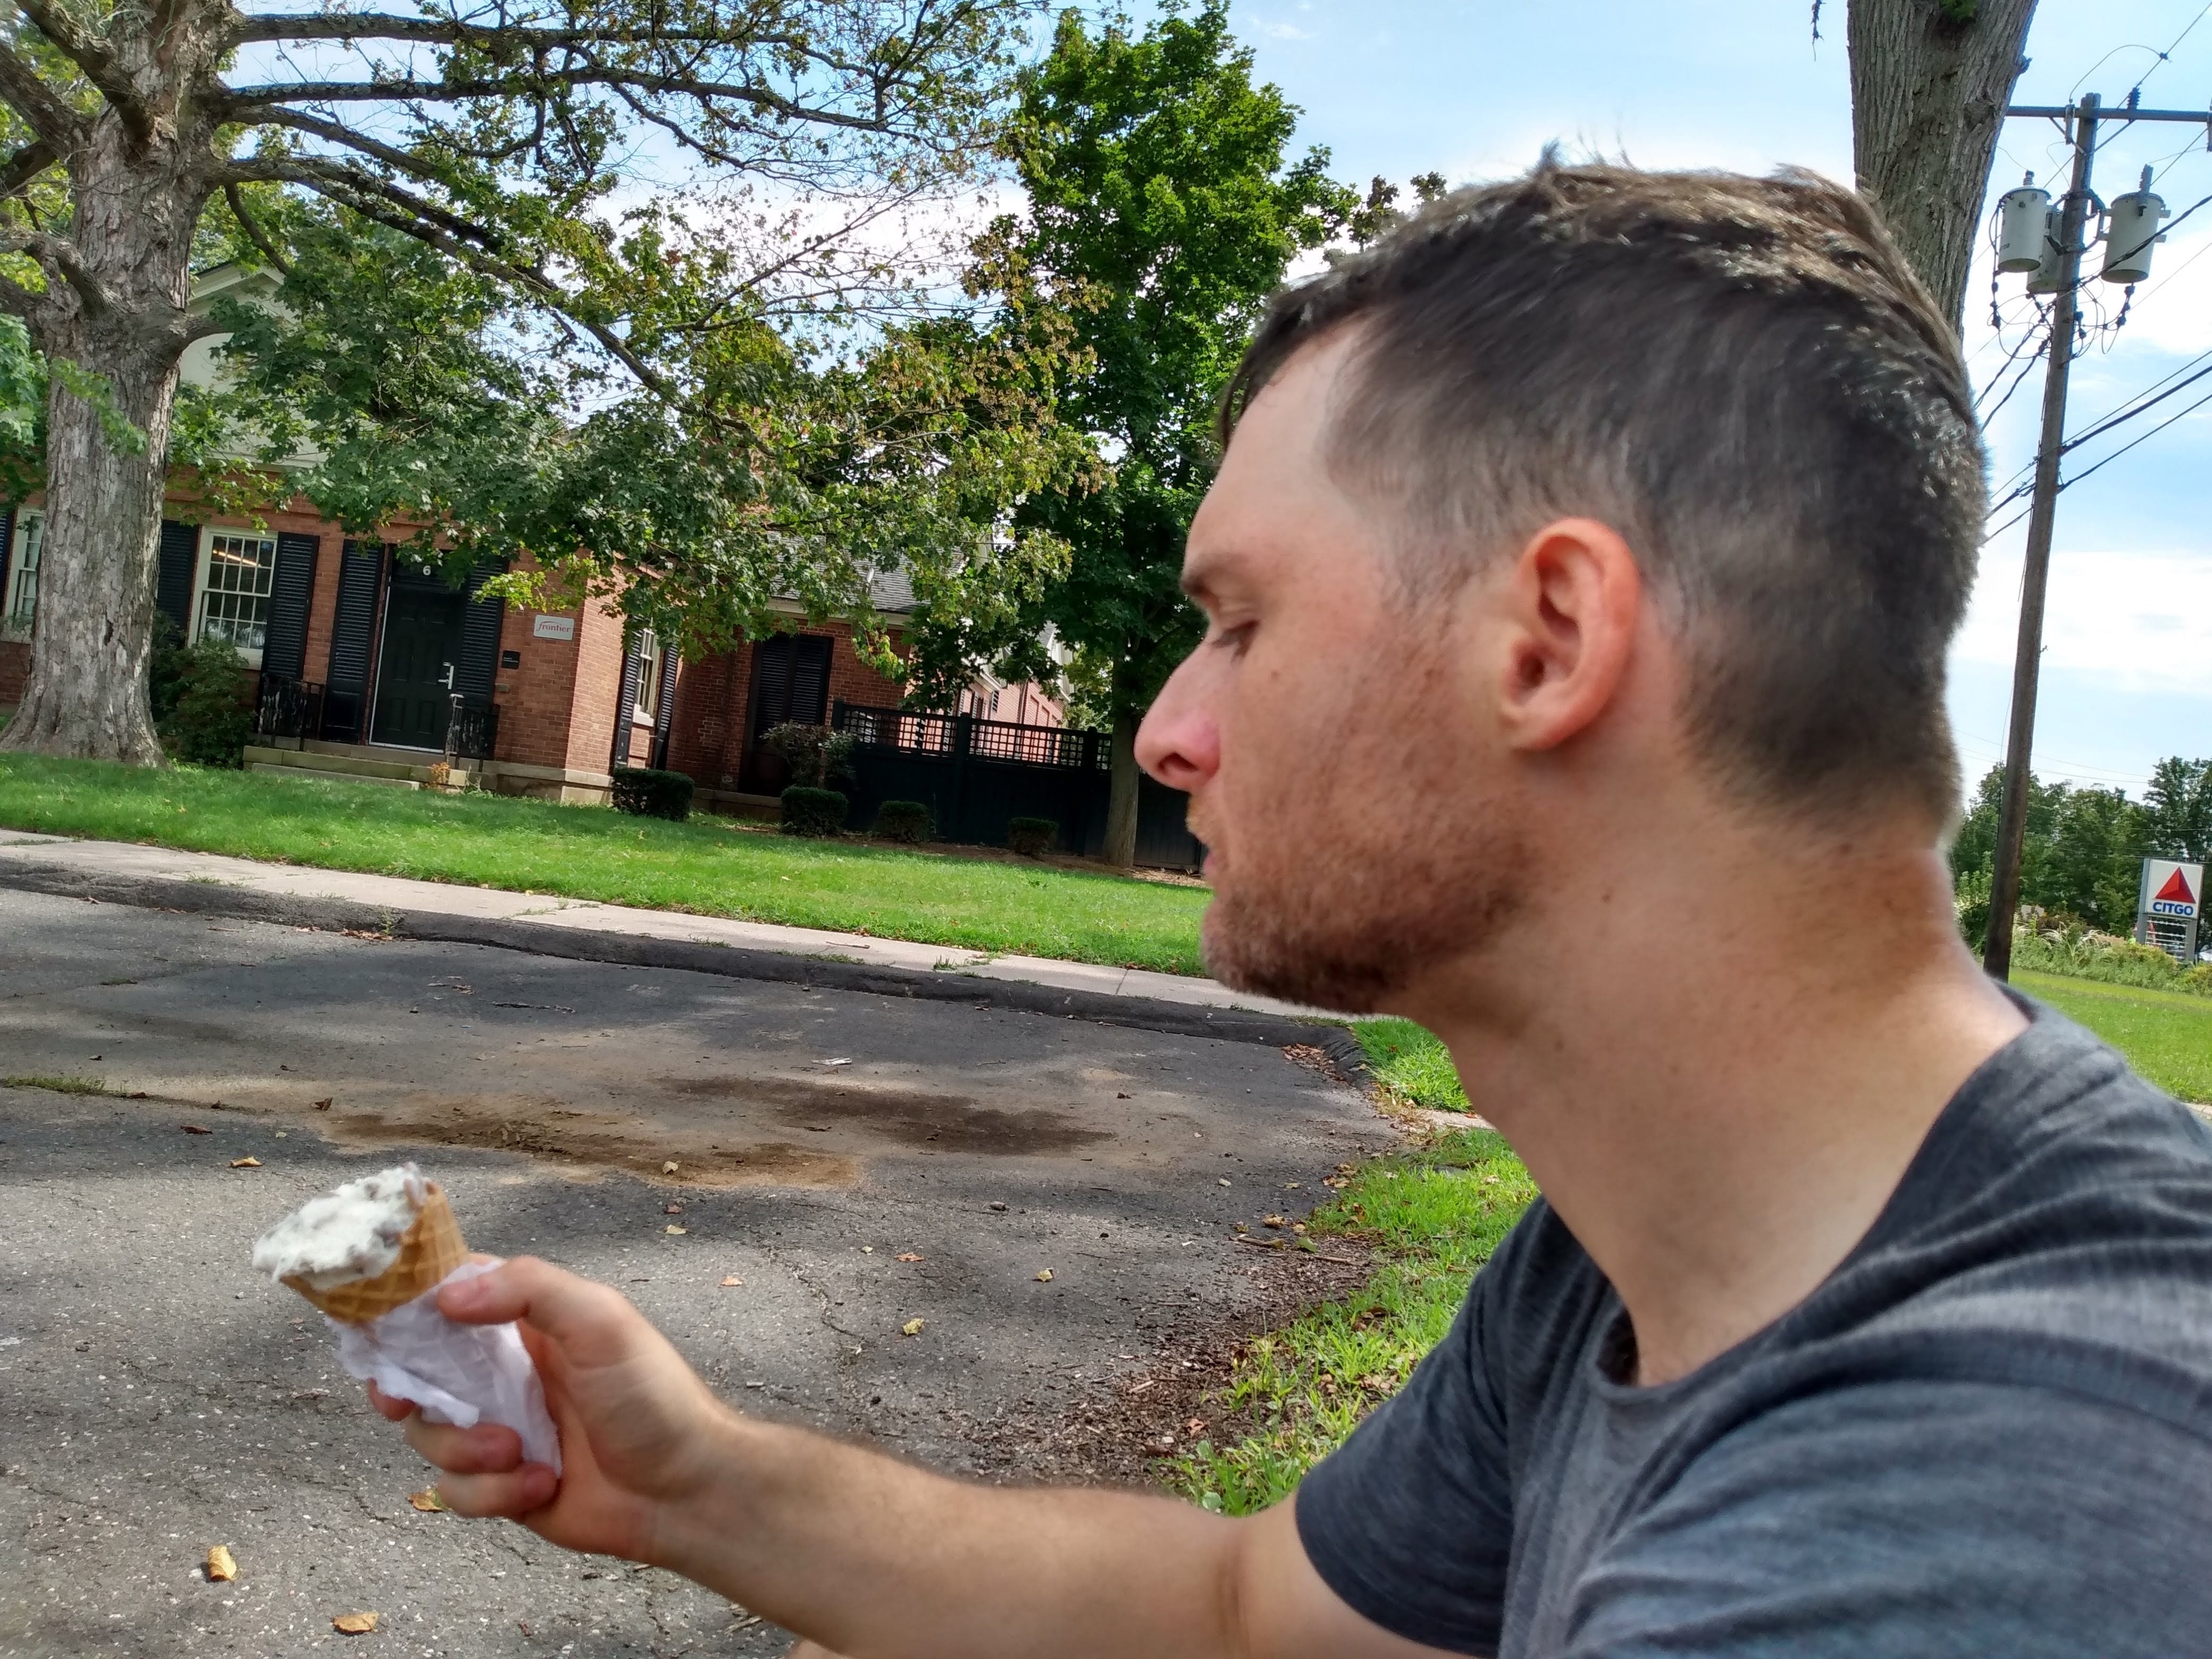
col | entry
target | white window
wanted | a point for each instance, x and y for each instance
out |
(236, 570)
(22, 597)
(648, 676)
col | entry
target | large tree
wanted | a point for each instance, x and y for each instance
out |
(1929, 82)
(492, 133)
(1160, 197)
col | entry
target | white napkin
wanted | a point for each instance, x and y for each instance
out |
(457, 1374)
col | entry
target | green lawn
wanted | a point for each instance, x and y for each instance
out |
(1412, 1064)
(2166, 1035)
(1432, 1218)
(707, 865)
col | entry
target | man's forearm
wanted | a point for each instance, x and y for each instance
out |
(876, 1559)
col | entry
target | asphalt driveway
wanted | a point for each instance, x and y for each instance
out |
(157, 1398)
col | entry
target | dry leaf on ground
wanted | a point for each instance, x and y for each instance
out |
(354, 1624)
(221, 1567)
(907, 1255)
(246, 1164)
(673, 1227)
(427, 1501)
(1271, 1221)
(323, 1105)
(669, 1168)
(1044, 1275)
(196, 1128)
(912, 1327)
(731, 1281)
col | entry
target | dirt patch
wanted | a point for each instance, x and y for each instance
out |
(914, 1117)
(578, 1140)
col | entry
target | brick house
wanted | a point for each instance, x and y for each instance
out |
(363, 660)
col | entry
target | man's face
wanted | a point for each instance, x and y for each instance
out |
(1352, 792)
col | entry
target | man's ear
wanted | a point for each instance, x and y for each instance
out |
(1571, 601)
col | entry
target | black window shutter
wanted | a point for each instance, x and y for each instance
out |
(626, 707)
(180, 557)
(809, 679)
(291, 589)
(479, 664)
(7, 550)
(772, 682)
(353, 631)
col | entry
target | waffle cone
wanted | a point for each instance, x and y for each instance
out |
(428, 1250)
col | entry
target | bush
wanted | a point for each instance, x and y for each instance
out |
(812, 812)
(814, 753)
(210, 718)
(165, 667)
(2108, 958)
(1032, 837)
(651, 793)
(902, 820)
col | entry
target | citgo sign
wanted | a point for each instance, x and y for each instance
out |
(2167, 914)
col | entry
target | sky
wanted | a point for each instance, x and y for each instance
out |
(1475, 90)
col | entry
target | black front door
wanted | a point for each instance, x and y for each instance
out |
(422, 630)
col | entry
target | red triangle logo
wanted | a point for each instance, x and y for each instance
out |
(2176, 890)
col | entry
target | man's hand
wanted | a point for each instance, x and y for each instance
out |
(633, 1418)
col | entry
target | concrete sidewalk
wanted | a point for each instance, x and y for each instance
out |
(111, 863)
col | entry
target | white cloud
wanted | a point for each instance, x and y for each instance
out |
(1283, 31)
(2134, 622)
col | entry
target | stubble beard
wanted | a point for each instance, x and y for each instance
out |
(1340, 891)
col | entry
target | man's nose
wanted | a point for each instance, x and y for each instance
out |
(1180, 743)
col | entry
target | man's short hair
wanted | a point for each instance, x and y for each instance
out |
(1744, 378)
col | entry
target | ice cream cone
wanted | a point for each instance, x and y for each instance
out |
(428, 1250)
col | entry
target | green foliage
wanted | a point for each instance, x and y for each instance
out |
(646, 792)
(2082, 852)
(904, 820)
(1431, 1217)
(2054, 944)
(1409, 1061)
(706, 867)
(814, 753)
(1160, 203)
(2177, 810)
(165, 667)
(811, 812)
(26, 374)
(1032, 837)
(212, 717)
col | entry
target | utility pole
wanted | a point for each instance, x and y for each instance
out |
(2082, 118)
(2027, 659)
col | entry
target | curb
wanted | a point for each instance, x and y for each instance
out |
(730, 962)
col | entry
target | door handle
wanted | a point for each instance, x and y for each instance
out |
(447, 681)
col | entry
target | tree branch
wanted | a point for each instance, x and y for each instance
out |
(253, 232)
(539, 82)
(27, 303)
(386, 26)
(41, 107)
(17, 172)
(60, 254)
(98, 63)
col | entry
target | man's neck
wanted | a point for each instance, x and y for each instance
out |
(1719, 1071)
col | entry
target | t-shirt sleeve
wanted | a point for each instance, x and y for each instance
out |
(1911, 1519)
(1411, 1520)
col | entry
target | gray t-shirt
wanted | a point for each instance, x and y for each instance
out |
(1988, 1432)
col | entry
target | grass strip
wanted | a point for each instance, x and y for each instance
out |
(56, 1084)
(1431, 1217)
(2167, 1036)
(707, 866)
(1409, 1061)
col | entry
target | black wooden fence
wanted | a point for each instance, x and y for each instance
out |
(977, 775)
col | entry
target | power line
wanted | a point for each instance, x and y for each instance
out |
(2159, 62)
(2129, 412)
(2191, 409)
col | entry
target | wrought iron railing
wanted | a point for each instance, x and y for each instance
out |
(288, 708)
(909, 732)
(472, 732)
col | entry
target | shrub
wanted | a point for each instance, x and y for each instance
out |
(809, 811)
(2106, 957)
(902, 820)
(816, 754)
(165, 667)
(211, 718)
(1032, 837)
(652, 793)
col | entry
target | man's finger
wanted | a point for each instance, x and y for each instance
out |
(586, 1320)
(512, 1495)
(396, 1411)
(487, 1449)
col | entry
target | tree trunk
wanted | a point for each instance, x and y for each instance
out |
(1121, 800)
(1929, 80)
(87, 694)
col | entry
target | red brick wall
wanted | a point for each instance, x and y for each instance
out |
(14, 669)
(591, 736)
(707, 729)
(534, 700)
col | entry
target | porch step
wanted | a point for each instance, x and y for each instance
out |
(286, 771)
(337, 764)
